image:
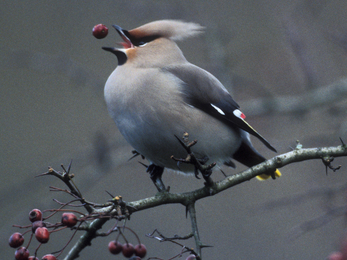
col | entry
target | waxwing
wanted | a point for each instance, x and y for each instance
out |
(155, 95)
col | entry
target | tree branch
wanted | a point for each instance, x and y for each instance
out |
(192, 214)
(188, 199)
(86, 238)
(279, 161)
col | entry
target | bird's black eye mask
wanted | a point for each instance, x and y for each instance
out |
(140, 41)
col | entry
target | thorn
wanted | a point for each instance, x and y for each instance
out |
(41, 174)
(110, 194)
(343, 144)
(337, 168)
(205, 246)
(143, 164)
(223, 172)
(69, 167)
(62, 166)
(135, 154)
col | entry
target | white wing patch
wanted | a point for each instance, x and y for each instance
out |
(220, 111)
(239, 114)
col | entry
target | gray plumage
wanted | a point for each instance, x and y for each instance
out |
(155, 94)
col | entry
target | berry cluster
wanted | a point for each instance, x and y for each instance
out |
(40, 229)
(127, 249)
(97, 214)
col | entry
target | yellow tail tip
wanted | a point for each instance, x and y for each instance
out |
(263, 177)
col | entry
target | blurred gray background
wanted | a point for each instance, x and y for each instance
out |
(52, 110)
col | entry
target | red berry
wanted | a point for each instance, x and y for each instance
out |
(36, 225)
(32, 258)
(35, 215)
(128, 250)
(140, 250)
(191, 257)
(100, 31)
(42, 235)
(21, 254)
(49, 257)
(115, 247)
(69, 219)
(16, 240)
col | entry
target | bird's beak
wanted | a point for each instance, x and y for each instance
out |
(125, 36)
(121, 56)
(120, 53)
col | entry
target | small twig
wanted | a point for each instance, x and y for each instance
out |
(327, 160)
(184, 249)
(61, 210)
(164, 238)
(69, 204)
(61, 250)
(198, 243)
(37, 249)
(135, 154)
(66, 177)
(206, 170)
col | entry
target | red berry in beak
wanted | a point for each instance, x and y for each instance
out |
(100, 31)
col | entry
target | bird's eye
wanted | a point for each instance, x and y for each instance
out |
(144, 40)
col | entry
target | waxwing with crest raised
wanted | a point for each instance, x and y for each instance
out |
(155, 95)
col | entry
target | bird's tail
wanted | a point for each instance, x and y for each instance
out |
(263, 177)
(248, 156)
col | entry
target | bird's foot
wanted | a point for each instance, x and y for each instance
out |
(155, 173)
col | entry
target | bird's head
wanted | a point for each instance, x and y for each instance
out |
(153, 40)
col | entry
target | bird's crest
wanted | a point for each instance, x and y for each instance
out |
(172, 29)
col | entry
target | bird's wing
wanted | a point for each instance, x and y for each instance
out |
(205, 92)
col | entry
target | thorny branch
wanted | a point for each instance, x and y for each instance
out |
(173, 239)
(188, 199)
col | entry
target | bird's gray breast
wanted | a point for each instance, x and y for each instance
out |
(149, 110)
